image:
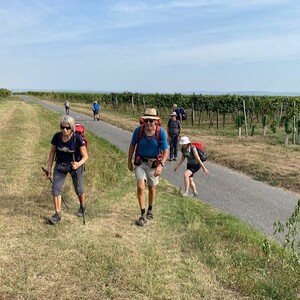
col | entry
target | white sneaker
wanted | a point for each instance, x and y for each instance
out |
(195, 194)
(185, 194)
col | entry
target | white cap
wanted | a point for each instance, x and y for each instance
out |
(184, 140)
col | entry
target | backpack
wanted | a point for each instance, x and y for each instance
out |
(79, 129)
(96, 107)
(200, 148)
(137, 159)
(183, 114)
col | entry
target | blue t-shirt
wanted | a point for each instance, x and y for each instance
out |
(148, 145)
(96, 107)
(65, 151)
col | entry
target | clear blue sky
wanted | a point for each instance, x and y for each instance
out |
(150, 46)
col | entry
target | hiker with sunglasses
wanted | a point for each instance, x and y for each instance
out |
(150, 145)
(69, 150)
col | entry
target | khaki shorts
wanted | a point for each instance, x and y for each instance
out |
(143, 171)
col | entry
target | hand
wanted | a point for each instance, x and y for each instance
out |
(158, 170)
(75, 165)
(205, 171)
(130, 166)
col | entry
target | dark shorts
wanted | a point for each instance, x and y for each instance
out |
(193, 168)
(59, 179)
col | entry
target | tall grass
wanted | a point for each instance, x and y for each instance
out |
(189, 251)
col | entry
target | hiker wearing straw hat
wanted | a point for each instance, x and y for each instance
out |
(194, 163)
(150, 146)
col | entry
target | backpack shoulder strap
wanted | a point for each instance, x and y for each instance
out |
(157, 133)
(141, 132)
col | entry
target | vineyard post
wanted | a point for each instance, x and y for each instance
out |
(218, 112)
(193, 113)
(294, 126)
(132, 105)
(239, 123)
(264, 122)
(245, 118)
(298, 127)
(281, 109)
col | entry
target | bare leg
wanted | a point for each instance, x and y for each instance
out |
(187, 175)
(82, 199)
(152, 193)
(193, 186)
(141, 193)
(57, 203)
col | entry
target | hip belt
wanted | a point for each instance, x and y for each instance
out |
(147, 159)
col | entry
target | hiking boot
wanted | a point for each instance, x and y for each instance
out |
(55, 218)
(141, 221)
(170, 159)
(81, 211)
(149, 214)
(175, 158)
(195, 194)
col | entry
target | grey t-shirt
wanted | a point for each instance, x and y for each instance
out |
(174, 127)
(190, 153)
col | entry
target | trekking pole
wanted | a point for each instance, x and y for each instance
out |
(76, 178)
(47, 173)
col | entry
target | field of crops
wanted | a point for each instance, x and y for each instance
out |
(219, 111)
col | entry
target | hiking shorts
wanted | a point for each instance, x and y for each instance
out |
(193, 168)
(59, 179)
(143, 171)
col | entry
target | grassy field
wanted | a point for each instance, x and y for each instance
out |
(189, 251)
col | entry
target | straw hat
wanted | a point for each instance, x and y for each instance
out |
(184, 140)
(150, 113)
(174, 105)
(173, 114)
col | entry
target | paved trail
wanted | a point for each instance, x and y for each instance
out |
(253, 202)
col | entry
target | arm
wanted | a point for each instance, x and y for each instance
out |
(180, 162)
(84, 158)
(159, 168)
(51, 159)
(180, 118)
(179, 129)
(168, 131)
(205, 171)
(130, 154)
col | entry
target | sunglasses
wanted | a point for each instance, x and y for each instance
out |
(149, 120)
(65, 127)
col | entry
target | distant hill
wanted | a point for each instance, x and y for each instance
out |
(250, 93)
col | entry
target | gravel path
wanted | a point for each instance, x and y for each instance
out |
(254, 202)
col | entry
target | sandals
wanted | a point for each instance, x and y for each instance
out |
(141, 221)
(149, 215)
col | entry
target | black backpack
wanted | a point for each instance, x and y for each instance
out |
(183, 114)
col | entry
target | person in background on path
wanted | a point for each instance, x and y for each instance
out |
(96, 109)
(194, 163)
(147, 145)
(67, 106)
(174, 129)
(69, 150)
(178, 113)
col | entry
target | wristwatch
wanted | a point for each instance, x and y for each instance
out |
(162, 164)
